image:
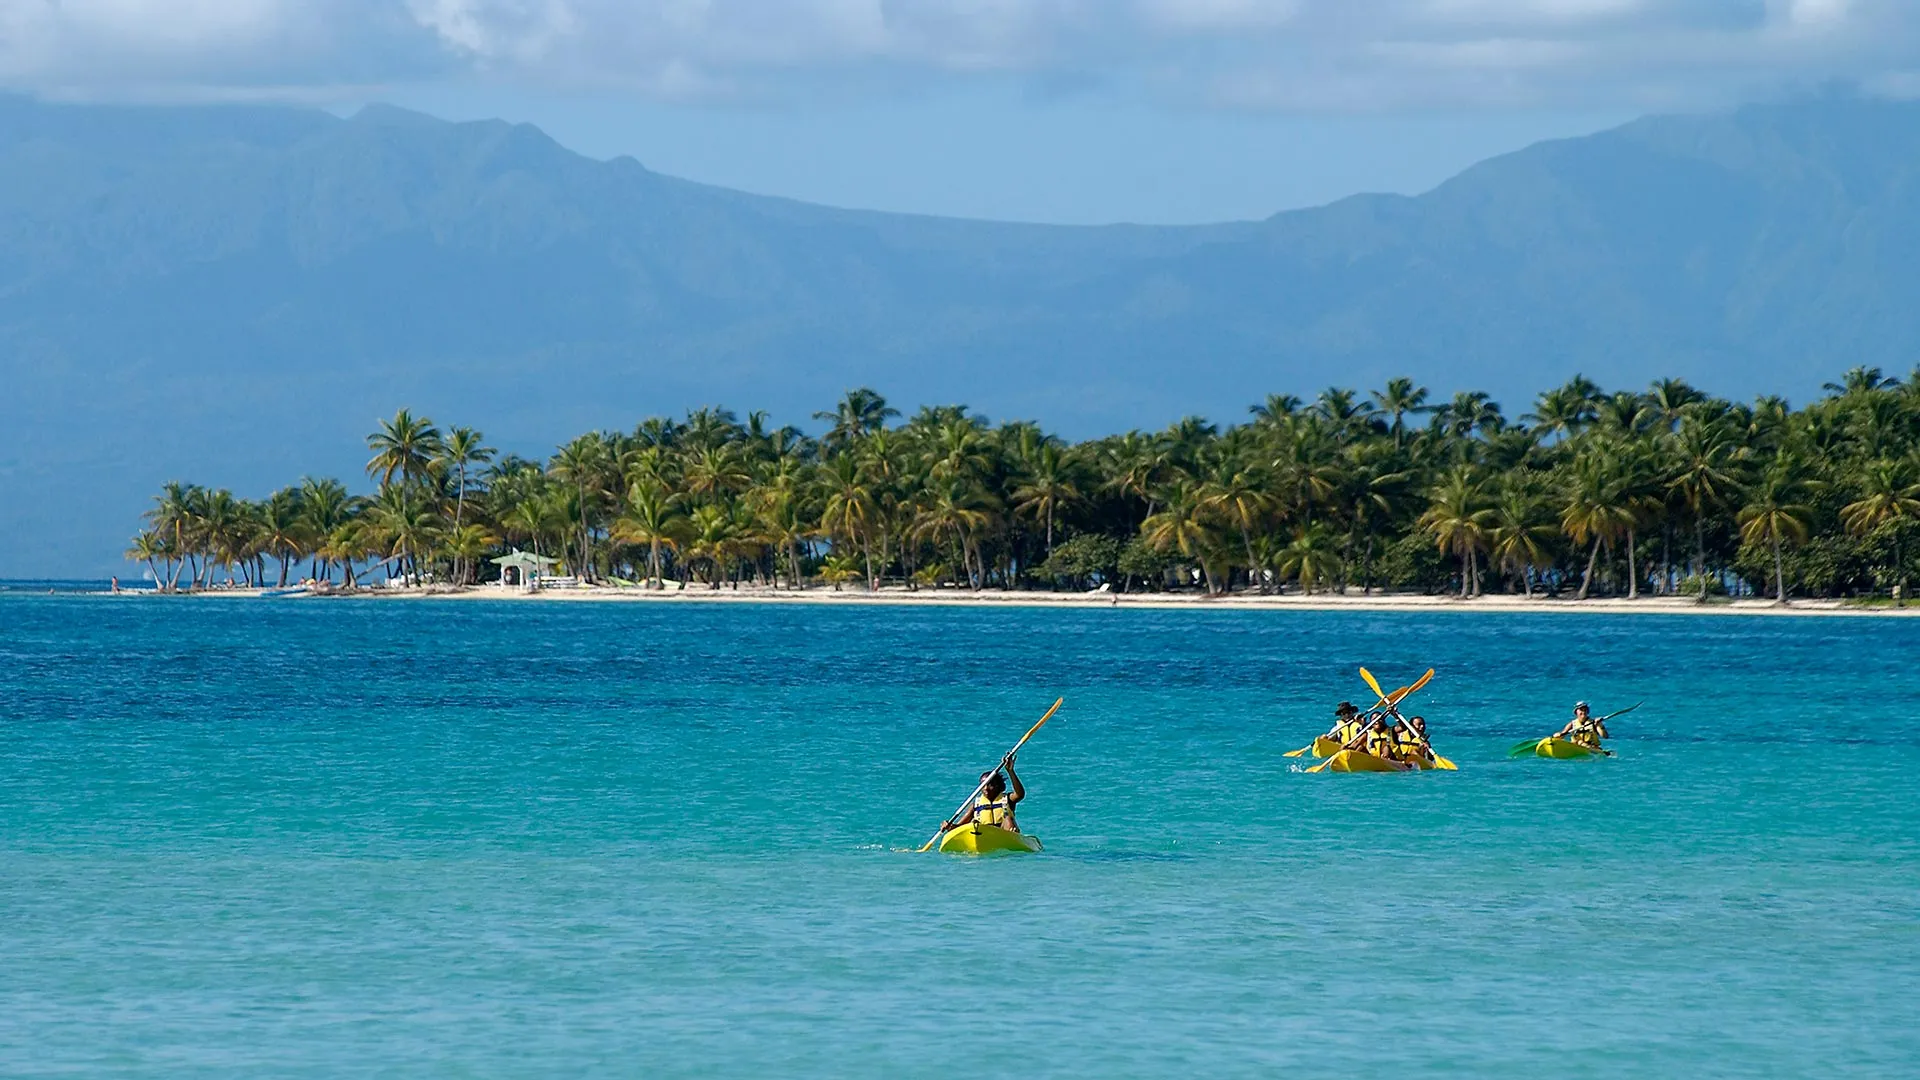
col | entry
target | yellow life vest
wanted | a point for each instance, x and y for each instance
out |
(1347, 731)
(1380, 743)
(996, 812)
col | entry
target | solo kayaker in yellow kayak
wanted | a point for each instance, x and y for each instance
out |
(1583, 729)
(994, 805)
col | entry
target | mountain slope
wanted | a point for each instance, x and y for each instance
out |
(233, 295)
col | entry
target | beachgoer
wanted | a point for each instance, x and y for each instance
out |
(994, 805)
(1583, 728)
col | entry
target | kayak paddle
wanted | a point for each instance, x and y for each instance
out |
(1395, 697)
(937, 833)
(1391, 703)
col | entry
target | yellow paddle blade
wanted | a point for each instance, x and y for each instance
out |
(1442, 763)
(1373, 684)
(1297, 753)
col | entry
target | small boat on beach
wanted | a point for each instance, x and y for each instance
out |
(291, 590)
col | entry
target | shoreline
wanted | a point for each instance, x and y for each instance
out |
(897, 596)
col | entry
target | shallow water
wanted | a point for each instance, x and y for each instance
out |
(250, 837)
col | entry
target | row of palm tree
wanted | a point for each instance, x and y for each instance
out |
(1667, 490)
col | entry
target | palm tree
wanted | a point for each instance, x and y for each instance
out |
(1598, 508)
(1183, 525)
(467, 544)
(583, 463)
(1049, 486)
(1459, 520)
(405, 446)
(1889, 499)
(172, 515)
(1520, 537)
(1310, 558)
(146, 547)
(960, 511)
(860, 413)
(1564, 412)
(404, 527)
(1238, 496)
(651, 517)
(324, 507)
(463, 449)
(1705, 455)
(285, 535)
(1397, 401)
(848, 511)
(1774, 513)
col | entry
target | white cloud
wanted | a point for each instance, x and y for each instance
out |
(1282, 54)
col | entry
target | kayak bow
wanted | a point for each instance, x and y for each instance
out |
(980, 839)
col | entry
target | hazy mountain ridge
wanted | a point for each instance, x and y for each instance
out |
(232, 295)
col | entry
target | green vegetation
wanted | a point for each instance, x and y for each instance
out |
(1668, 492)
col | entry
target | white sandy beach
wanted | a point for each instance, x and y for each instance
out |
(698, 594)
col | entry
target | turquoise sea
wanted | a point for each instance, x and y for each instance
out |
(245, 838)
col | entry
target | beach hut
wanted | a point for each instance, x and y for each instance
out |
(523, 568)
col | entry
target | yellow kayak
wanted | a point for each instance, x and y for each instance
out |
(1361, 761)
(1325, 746)
(1562, 748)
(985, 840)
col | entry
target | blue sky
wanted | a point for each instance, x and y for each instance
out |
(1044, 110)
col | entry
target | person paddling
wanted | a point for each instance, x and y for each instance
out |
(1583, 728)
(994, 805)
(1346, 722)
(1408, 743)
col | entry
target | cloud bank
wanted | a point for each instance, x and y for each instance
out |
(1311, 55)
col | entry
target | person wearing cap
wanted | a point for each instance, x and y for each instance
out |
(1583, 728)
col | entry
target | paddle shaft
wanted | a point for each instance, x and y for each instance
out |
(968, 803)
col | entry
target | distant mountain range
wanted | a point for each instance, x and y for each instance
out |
(233, 295)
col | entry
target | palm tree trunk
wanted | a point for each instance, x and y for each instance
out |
(653, 562)
(1466, 575)
(1779, 570)
(1586, 580)
(1253, 572)
(1700, 556)
(1633, 576)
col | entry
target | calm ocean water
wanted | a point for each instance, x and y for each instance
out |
(310, 838)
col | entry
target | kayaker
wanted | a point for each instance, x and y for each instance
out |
(1346, 722)
(1379, 739)
(1408, 745)
(1583, 728)
(994, 805)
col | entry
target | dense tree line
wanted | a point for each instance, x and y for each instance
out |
(1667, 491)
